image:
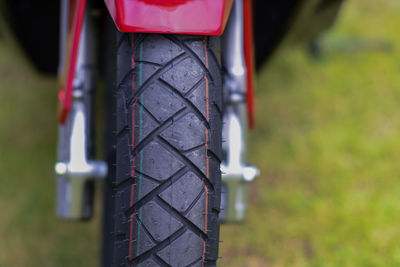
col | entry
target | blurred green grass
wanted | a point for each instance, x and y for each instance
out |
(30, 234)
(327, 143)
(328, 146)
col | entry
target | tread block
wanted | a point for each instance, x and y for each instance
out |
(184, 75)
(182, 193)
(162, 103)
(148, 123)
(197, 157)
(187, 244)
(197, 213)
(197, 46)
(198, 98)
(158, 221)
(123, 157)
(142, 242)
(186, 133)
(157, 162)
(158, 49)
(147, 71)
(147, 263)
(122, 120)
(146, 186)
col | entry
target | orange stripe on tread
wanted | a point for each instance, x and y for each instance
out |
(206, 146)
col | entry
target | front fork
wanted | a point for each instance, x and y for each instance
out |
(235, 173)
(76, 168)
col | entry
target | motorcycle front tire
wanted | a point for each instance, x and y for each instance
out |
(165, 194)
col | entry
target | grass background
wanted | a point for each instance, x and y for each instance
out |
(327, 143)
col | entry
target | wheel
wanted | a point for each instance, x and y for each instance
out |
(166, 189)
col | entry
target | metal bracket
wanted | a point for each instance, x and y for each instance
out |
(74, 196)
(235, 174)
(78, 166)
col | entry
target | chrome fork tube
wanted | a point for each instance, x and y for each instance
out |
(233, 53)
(234, 81)
(76, 167)
(235, 173)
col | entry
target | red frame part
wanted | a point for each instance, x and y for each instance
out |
(249, 58)
(201, 17)
(75, 22)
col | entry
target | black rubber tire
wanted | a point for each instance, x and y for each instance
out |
(169, 124)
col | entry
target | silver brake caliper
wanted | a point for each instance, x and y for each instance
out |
(235, 173)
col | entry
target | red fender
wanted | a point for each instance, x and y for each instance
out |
(172, 16)
(200, 17)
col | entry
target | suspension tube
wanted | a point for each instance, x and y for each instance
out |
(76, 167)
(235, 173)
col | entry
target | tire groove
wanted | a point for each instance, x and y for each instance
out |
(188, 103)
(149, 63)
(122, 131)
(194, 87)
(217, 108)
(211, 154)
(176, 60)
(185, 221)
(124, 184)
(148, 112)
(147, 176)
(163, 126)
(159, 189)
(143, 226)
(192, 54)
(196, 170)
(160, 261)
(194, 262)
(122, 84)
(193, 148)
(163, 244)
(193, 202)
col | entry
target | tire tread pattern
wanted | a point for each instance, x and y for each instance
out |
(167, 185)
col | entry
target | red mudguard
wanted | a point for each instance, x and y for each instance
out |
(202, 17)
